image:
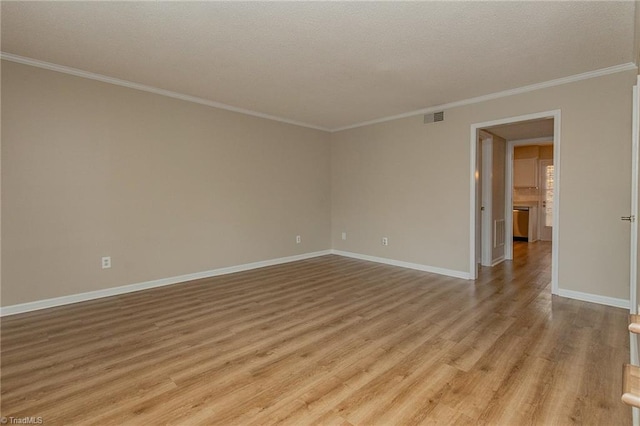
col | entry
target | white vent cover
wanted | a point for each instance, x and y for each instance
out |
(498, 233)
(434, 117)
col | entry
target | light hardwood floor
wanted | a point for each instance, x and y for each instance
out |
(329, 340)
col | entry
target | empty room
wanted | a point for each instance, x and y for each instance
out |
(319, 213)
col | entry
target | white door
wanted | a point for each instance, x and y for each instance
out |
(635, 186)
(545, 212)
(479, 211)
(487, 201)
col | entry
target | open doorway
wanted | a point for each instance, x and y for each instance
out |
(515, 188)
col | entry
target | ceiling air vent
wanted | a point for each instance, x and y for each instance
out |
(434, 117)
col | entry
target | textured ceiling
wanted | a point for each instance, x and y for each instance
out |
(327, 64)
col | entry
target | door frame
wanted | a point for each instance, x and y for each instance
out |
(634, 356)
(635, 159)
(486, 215)
(541, 212)
(508, 243)
(556, 115)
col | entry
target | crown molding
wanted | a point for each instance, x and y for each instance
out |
(497, 95)
(124, 83)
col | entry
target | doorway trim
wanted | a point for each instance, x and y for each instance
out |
(508, 244)
(543, 234)
(556, 115)
(485, 176)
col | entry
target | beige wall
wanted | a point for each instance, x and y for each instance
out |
(168, 187)
(164, 187)
(410, 182)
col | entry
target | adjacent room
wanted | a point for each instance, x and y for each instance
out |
(354, 213)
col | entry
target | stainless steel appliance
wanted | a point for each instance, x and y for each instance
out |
(521, 223)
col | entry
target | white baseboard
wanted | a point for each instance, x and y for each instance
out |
(107, 292)
(419, 267)
(91, 295)
(594, 298)
(497, 261)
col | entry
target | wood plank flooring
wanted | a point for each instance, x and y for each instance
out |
(329, 340)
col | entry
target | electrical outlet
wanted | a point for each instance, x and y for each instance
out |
(298, 239)
(106, 262)
(344, 235)
(385, 241)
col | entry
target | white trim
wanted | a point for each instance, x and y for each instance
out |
(114, 291)
(497, 95)
(402, 264)
(509, 189)
(475, 145)
(486, 215)
(98, 294)
(497, 261)
(483, 134)
(509, 184)
(508, 202)
(556, 115)
(635, 155)
(543, 163)
(118, 82)
(634, 356)
(594, 298)
(555, 233)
